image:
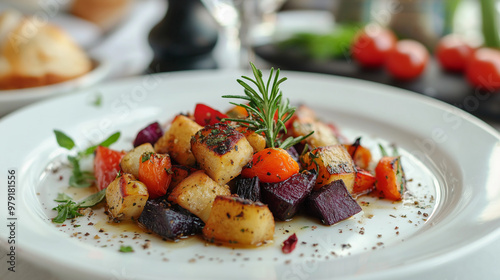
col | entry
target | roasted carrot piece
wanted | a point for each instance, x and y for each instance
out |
(361, 156)
(156, 173)
(271, 165)
(391, 182)
(106, 165)
(364, 182)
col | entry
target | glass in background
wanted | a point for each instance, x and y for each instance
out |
(236, 19)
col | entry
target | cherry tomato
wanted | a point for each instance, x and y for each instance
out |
(407, 60)
(205, 115)
(372, 45)
(453, 53)
(483, 69)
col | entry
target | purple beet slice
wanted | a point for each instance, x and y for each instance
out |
(284, 198)
(169, 222)
(149, 134)
(248, 188)
(332, 203)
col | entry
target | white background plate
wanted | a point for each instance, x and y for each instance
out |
(432, 134)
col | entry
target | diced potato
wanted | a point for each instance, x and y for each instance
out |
(126, 197)
(304, 121)
(196, 193)
(322, 136)
(177, 140)
(332, 163)
(257, 141)
(130, 162)
(221, 151)
(240, 222)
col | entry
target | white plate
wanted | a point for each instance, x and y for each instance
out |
(450, 156)
(14, 99)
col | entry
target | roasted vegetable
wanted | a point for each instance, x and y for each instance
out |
(150, 134)
(271, 165)
(196, 193)
(221, 151)
(331, 163)
(205, 115)
(179, 173)
(257, 141)
(130, 162)
(239, 222)
(364, 182)
(361, 156)
(126, 197)
(106, 166)
(156, 173)
(248, 188)
(391, 181)
(284, 198)
(169, 222)
(305, 121)
(177, 140)
(332, 203)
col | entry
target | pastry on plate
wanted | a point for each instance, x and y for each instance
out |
(35, 53)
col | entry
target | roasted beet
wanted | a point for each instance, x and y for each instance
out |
(284, 198)
(293, 153)
(170, 222)
(248, 188)
(332, 203)
(149, 134)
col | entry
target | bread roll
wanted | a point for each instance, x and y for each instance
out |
(36, 55)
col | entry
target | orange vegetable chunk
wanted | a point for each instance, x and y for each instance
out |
(271, 165)
(155, 172)
(391, 182)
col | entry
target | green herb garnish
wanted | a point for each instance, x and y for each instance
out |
(98, 100)
(263, 104)
(126, 249)
(68, 209)
(62, 197)
(64, 140)
(79, 178)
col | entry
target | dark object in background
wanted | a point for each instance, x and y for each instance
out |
(184, 39)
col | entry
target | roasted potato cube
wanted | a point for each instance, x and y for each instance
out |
(237, 221)
(126, 197)
(257, 141)
(196, 193)
(176, 140)
(322, 136)
(332, 163)
(130, 162)
(221, 151)
(304, 121)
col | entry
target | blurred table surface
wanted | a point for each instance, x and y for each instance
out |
(132, 57)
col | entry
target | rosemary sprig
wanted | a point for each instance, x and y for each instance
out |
(263, 104)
